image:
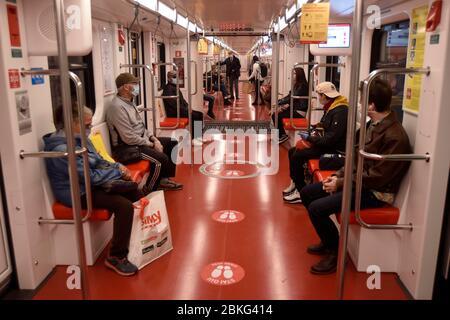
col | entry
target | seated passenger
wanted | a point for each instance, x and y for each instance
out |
(301, 89)
(128, 131)
(170, 105)
(218, 85)
(381, 179)
(101, 173)
(332, 140)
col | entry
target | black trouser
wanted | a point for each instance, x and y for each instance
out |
(121, 205)
(322, 205)
(286, 114)
(297, 160)
(234, 86)
(210, 100)
(258, 94)
(161, 161)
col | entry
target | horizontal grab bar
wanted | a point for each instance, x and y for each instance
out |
(50, 155)
(395, 157)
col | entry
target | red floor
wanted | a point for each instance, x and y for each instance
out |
(269, 244)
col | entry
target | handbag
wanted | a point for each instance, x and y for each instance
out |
(331, 162)
(150, 235)
(125, 154)
(120, 186)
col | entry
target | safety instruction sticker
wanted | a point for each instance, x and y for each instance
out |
(14, 78)
(416, 57)
(37, 79)
(314, 23)
(228, 216)
(13, 24)
(223, 273)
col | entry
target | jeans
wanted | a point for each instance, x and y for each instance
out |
(121, 205)
(322, 205)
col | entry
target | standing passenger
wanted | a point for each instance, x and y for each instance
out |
(233, 74)
(258, 80)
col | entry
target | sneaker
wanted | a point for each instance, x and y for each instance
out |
(283, 139)
(169, 185)
(121, 266)
(293, 198)
(197, 142)
(289, 189)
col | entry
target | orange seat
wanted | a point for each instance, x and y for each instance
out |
(299, 123)
(138, 170)
(171, 122)
(61, 212)
(385, 215)
(320, 176)
(313, 165)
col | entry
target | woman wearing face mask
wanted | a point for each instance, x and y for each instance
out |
(332, 141)
(101, 173)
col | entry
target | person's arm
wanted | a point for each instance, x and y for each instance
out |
(255, 72)
(119, 119)
(333, 134)
(285, 100)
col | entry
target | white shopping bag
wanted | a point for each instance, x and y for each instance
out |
(150, 236)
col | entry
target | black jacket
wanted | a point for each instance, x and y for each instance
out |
(299, 105)
(170, 105)
(233, 67)
(334, 124)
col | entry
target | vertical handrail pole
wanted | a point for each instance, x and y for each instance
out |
(153, 99)
(351, 130)
(188, 87)
(277, 76)
(84, 140)
(73, 174)
(311, 90)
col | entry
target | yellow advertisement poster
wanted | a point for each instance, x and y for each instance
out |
(202, 47)
(216, 50)
(314, 23)
(416, 56)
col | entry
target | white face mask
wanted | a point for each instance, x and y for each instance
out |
(174, 80)
(136, 90)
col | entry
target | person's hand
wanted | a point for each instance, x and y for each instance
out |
(159, 147)
(126, 174)
(330, 185)
(304, 135)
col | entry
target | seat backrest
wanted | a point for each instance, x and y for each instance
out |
(103, 131)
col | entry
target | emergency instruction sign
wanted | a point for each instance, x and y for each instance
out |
(314, 23)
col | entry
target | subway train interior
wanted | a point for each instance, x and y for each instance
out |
(224, 150)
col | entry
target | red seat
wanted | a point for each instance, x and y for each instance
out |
(386, 215)
(61, 212)
(299, 123)
(171, 122)
(138, 170)
(313, 165)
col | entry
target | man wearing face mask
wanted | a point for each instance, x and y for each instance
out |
(128, 133)
(332, 141)
(170, 106)
(233, 74)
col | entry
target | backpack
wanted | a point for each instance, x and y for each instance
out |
(264, 70)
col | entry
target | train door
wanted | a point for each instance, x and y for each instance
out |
(390, 50)
(6, 268)
(162, 70)
(134, 57)
(333, 74)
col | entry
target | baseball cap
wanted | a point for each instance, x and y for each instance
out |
(126, 78)
(328, 89)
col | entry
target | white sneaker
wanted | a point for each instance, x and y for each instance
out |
(293, 198)
(197, 142)
(289, 189)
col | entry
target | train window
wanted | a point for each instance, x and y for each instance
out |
(135, 56)
(390, 50)
(82, 67)
(162, 59)
(333, 74)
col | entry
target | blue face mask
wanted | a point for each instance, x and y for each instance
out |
(136, 90)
